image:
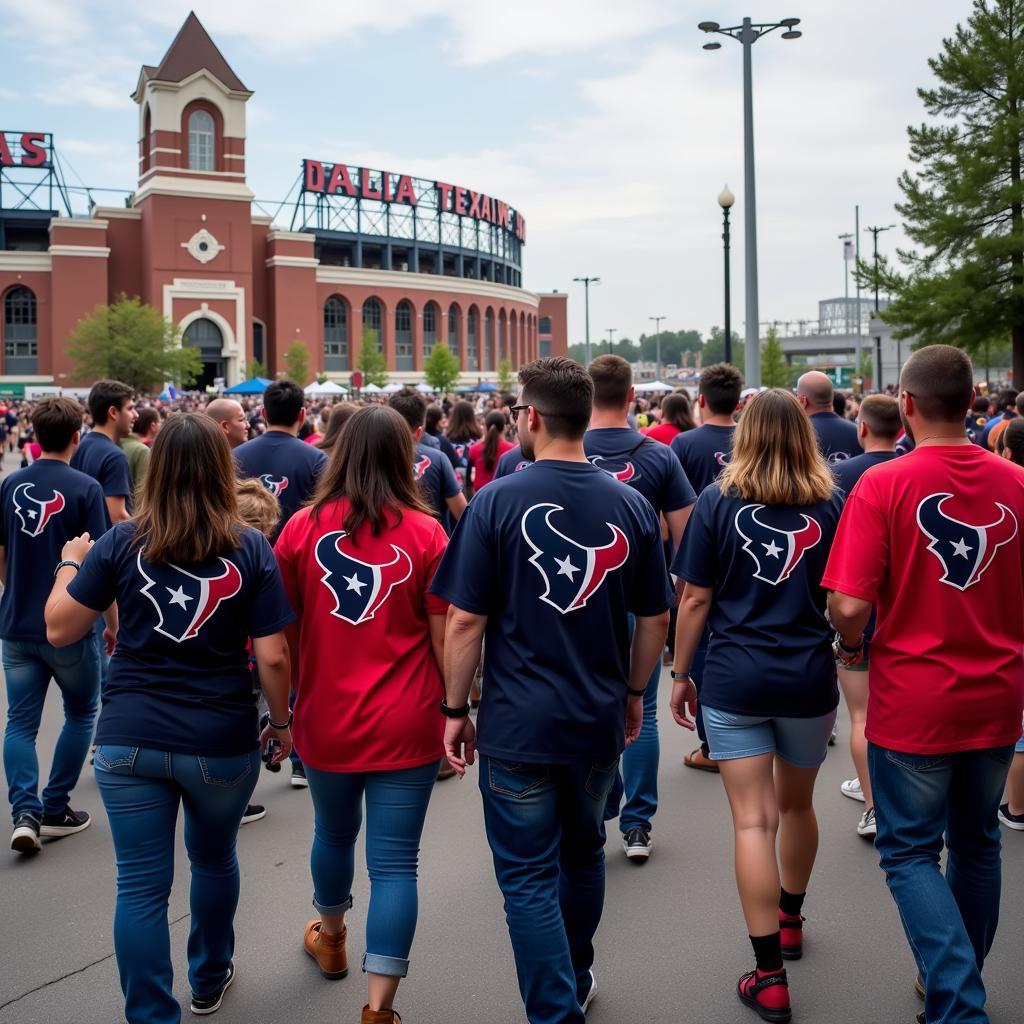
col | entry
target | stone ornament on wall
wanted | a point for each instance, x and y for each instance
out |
(202, 246)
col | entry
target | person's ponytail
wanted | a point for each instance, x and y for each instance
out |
(495, 425)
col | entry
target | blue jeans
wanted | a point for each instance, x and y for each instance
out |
(141, 790)
(950, 922)
(638, 780)
(28, 666)
(396, 808)
(545, 827)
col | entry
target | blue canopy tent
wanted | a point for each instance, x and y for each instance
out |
(485, 386)
(255, 386)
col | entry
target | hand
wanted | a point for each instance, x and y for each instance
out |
(77, 548)
(284, 739)
(109, 640)
(459, 743)
(634, 718)
(683, 699)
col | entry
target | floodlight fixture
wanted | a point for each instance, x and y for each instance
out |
(790, 22)
(712, 46)
(709, 26)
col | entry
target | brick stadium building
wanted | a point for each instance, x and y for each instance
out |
(397, 261)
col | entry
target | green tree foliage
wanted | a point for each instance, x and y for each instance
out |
(673, 346)
(441, 367)
(255, 368)
(132, 342)
(505, 376)
(714, 349)
(775, 371)
(963, 201)
(296, 363)
(372, 362)
(624, 347)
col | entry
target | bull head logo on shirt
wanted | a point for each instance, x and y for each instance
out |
(965, 551)
(622, 470)
(776, 552)
(183, 601)
(420, 466)
(34, 513)
(359, 588)
(572, 572)
(274, 484)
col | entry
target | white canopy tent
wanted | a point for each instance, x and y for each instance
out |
(654, 385)
(424, 389)
(328, 389)
(371, 389)
(391, 389)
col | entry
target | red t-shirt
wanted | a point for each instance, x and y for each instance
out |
(935, 538)
(368, 686)
(663, 432)
(483, 476)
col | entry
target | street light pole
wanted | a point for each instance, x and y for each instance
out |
(747, 34)
(876, 231)
(847, 246)
(657, 328)
(611, 331)
(725, 201)
(860, 320)
(587, 282)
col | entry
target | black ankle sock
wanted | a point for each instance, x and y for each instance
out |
(789, 903)
(767, 951)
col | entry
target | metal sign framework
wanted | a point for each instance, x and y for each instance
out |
(33, 189)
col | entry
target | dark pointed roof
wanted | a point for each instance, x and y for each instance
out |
(193, 50)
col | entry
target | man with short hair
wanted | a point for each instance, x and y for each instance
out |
(136, 444)
(933, 538)
(702, 453)
(648, 467)
(837, 437)
(230, 417)
(112, 408)
(548, 563)
(977, 418)
(878, 426)
(41, 508)
(437, 478)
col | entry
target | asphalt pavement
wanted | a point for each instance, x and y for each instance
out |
(670, 947)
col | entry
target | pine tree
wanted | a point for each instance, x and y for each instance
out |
(775, 371)
(441, 367)
(963, 203)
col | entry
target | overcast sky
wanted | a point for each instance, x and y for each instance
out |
(604, 122)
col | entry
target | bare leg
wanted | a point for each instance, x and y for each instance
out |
(751, 792)
(1015, 785)
(332, 924)
(382, 990)
(798, 832)
(855, 690)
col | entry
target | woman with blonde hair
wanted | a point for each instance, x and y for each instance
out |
(751, 562)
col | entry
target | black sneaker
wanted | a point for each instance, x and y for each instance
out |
(921, 1018)
(253, 813)
(1014, 821)
(637, 844)
(202, 1005)
(65, 823)
(299, 780)
(25, 837)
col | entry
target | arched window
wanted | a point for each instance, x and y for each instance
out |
(206, 336)
(403, 335)
(21, 338)
(489, 339)
(259, 340)
(473, 339)
(430, 314)
(372, 318)
(200, 140)
(502, 336)
(453, 327)
(147, 142)
(335, 334)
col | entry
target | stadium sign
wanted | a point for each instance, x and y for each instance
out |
(25, 149)
(387, 187)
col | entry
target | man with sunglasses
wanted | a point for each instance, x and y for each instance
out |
(548, 564)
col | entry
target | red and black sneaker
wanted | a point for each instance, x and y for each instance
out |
(767, 993)
(791, 935)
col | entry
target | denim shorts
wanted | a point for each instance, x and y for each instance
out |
(1019, 748)
(801, 742)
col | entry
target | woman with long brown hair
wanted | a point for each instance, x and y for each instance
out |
(752, 560)
(357, 564)
(340, 415)
(179, 726)
(463, 430)
(484, 455)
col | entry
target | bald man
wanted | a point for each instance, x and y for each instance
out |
(837, 438)
(231, 418)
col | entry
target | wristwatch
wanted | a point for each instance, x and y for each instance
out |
(275, 725)
(453, 712)
(679, 677)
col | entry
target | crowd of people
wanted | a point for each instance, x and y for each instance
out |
(339, 587)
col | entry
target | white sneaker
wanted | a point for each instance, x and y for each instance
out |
(591, 992)
(866, 826)
(851, 788)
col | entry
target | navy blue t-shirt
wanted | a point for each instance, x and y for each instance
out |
(286, 466)
(642, 463)
(436, 476)
(97, 456)
(179, 677)
(703, 452)
(442, 442)
(555, 558)
(837, 438)
(511, 462)
(770, 651)
(848, 472)
(460, 451)
(41, 508)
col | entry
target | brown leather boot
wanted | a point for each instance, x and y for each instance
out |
(327, 950)
(379, 1016)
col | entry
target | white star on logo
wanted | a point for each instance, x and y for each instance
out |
(354, 583)
(31, 513)
(179, 597)
(771, 549)
(566, 568)
(961, 548)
